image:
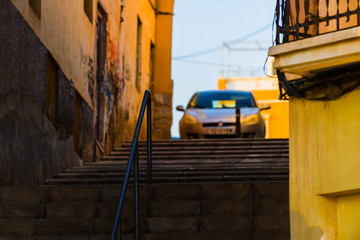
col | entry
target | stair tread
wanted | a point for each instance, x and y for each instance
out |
(197, 160)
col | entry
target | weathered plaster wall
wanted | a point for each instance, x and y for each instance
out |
(163, 86)
(31, 147)
(324, 168)
(66, 31)
(87, 130)
(157, 31)
(65, 108)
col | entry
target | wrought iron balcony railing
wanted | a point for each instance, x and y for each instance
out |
(298, 19)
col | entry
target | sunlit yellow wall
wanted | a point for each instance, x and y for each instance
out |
(129, 97)
(349, 217)
(162, 87)
(67, 32)
(277, 117)
(324, 168)
(69, 35)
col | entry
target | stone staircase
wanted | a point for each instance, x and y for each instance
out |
(202, 190)
(180, 161)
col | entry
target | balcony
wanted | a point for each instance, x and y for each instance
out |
(299, 19)
(314, 38)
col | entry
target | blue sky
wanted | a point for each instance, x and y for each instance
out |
(200, 25)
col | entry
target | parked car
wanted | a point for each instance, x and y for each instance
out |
(213, 114)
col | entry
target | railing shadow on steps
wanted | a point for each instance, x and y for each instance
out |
(133, 159)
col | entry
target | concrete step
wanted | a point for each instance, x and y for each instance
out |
(182, 161)
(98, 172)
(194, 158)
(157, 147)
(234, 161)
(202, 189)
(194, 148)
(207, 144)
(177, 179)
(192, 153)
(226, 141)
(175, 211)
(176, 173)
(206, 147)
(120, 167)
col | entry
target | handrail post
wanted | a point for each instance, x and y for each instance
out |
(149, 141)
(238, 122)
(118, 234)
(136, 192)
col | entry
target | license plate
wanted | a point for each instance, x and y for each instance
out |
(220, 131)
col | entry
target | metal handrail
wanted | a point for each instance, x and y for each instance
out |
(146, 103)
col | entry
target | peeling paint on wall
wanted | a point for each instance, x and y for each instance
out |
(65, 33)
(87, 66)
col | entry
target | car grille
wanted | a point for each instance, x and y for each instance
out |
(225, 124)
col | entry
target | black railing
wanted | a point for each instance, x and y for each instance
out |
(133, 158)
(298, 19)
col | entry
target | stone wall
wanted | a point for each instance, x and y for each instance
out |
(162, 115)
(33, 148)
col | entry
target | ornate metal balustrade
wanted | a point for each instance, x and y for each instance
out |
(298, 19)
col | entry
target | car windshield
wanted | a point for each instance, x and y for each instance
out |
(216, 100)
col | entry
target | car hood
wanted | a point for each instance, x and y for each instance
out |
(220, 114)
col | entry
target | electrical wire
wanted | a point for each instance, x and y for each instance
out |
(215, 49)
(206, 63)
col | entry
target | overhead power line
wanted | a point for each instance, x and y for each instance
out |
(214, 49)
(215, 63)
(244, 38)
(249, 49)
(204, 63)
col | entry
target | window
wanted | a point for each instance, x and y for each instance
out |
(138, 55)
(217, 99)
(51, 88)
(88, 8)
(36, 7)
(77, 122)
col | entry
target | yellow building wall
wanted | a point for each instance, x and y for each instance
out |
(69, 36)
(349, 217)
(129, 96)
(162, 86)
(325, 168)
(277, 117)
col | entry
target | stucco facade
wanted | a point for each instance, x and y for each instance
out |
(73, 74)
(320, 71)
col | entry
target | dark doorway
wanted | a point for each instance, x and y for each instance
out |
(100, 76)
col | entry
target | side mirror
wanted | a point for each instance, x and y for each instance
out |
(265, 107)
(180, 108)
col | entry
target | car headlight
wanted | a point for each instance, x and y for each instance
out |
(190, 119)
(251, 119)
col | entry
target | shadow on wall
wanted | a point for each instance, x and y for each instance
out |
(30, 147)
(300, 230)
